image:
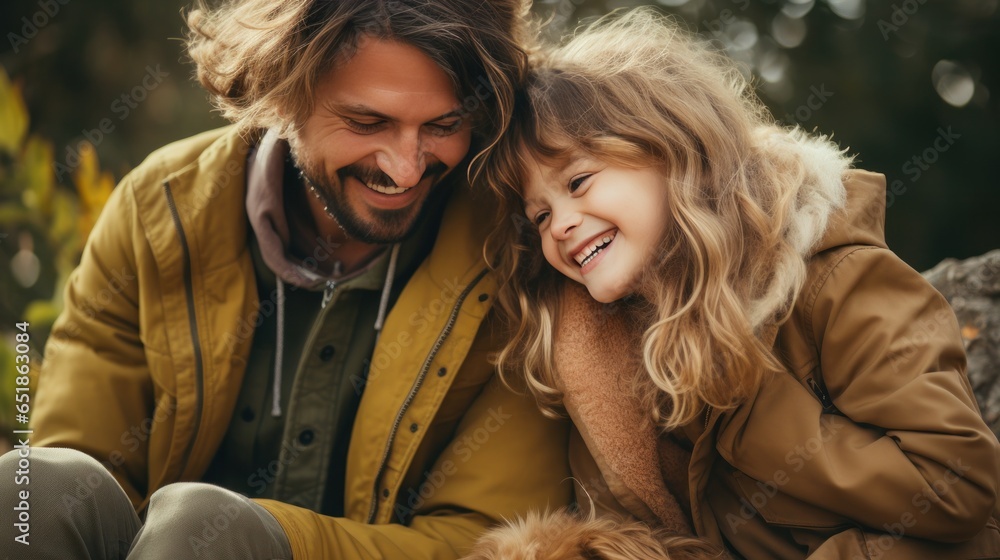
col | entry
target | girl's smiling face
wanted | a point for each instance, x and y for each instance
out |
(600, 224)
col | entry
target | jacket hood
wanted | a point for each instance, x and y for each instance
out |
(834, 206)
(266, 212)
(861, 221)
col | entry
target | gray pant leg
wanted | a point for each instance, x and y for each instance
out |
(76, 509)
(195, 520)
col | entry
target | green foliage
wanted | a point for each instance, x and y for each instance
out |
(47, 224)
(7, 372)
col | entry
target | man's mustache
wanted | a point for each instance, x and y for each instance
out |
(377, 177)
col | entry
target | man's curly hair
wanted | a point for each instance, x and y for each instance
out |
(261, 59)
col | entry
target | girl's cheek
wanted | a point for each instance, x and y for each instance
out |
(551, 256)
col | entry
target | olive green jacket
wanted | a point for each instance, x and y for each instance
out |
(144, 366)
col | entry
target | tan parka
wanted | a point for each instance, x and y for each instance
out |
(870, 446)
(144, 366)
(873, 445)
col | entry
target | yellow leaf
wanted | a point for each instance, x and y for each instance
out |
(63, 225)
(37, 175)
(86, 172)
(13, 115)
(93, 186)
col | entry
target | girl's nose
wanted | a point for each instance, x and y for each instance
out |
(564, 222)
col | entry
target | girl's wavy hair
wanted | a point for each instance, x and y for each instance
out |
(260, 60)
(634, 90)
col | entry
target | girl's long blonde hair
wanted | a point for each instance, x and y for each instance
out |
(634, 90)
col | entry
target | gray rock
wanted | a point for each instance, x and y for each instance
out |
(972, 287)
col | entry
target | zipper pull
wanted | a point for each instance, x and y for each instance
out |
(328, 293)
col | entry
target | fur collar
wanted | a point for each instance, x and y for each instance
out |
(820, 195)
(596, 364)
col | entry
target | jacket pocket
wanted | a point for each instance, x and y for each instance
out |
(897, 546)
(830, 536)
(778, 508)
(845, 545)
(865, 544)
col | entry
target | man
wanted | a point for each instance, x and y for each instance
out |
(331, 360)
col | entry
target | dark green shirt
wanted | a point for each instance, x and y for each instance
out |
(299, 457)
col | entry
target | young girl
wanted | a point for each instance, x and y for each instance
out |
(729, 282)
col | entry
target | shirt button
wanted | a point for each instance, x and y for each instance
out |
(414, 427)
(247, 414)
(306, 437)
(385, 492)
(484, 297)
(326, 353)
(442, 372)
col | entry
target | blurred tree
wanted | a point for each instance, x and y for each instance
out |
(911, 86)
(50, 225)
(116, 62)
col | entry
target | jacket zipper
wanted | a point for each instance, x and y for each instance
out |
(331, 285)
(195, 341)
(416, 387)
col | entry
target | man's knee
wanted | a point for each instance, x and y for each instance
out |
(72, 504)
(196, 516)
(191, 519)
(199, 501)
(51, 459)
(64, 477)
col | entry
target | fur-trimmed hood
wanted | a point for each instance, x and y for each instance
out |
(821, 193)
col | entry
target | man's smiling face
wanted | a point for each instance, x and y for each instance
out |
(386, 129)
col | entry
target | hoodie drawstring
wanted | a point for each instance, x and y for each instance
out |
(383, 308)
(383, 305)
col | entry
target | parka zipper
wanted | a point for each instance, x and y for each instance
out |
(416, 387)
(199, 372)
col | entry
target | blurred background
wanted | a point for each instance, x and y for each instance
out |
(88, 89)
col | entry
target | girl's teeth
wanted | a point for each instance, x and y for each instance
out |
(591, 257)
(592, 251)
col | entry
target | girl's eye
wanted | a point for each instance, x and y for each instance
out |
(575, 182)
(446, 129)
(540, 217)
(364, 128)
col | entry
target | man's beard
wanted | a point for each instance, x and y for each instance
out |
(385, 226)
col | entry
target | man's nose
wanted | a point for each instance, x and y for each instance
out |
(403, 159)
